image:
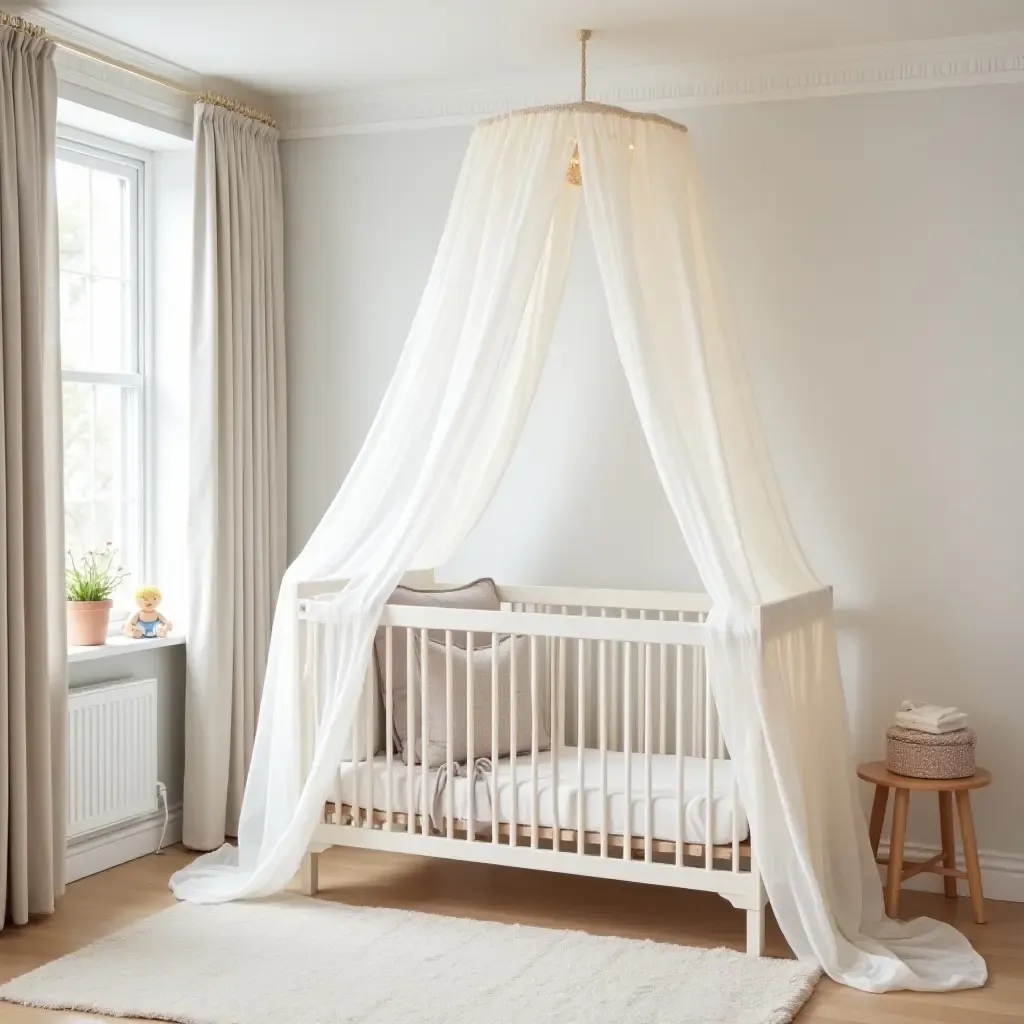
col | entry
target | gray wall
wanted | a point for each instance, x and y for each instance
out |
(874, 249)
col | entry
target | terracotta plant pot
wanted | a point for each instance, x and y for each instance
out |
(88, 622)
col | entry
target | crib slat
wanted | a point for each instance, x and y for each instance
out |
(662, 694)
(410, 729)
(642, 666)
(449, 731)
(357, 780)
(305, 673)
(317, 630)
(314, 637)
(680, 759)
(696, 717)
(368, 737)
(627, 746)
(735, 822)
(495, 836)
(513, 818)
(470, 752)
(389, 722)
(602, 729)
(556, 686)
(648, 743)
(618, 653)
(563, 650)
(534, 749)
(581, 707)
(709, 761)
(339, 800)
(312, 632)
(425, 826)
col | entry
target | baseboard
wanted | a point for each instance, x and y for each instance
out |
(92, 854)
(1002, 874)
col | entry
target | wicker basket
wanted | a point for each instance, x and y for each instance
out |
(922, 755)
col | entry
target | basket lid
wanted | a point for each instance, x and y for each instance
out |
(957, 738)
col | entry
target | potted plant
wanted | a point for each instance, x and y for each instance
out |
(91, 583)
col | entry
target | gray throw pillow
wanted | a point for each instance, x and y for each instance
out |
(485, 681)
(480, 594)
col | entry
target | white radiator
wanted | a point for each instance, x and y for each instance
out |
(112, 741)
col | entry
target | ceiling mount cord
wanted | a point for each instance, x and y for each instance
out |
(585, 34)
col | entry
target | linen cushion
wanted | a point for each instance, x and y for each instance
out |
(479, 594)
(431, 664)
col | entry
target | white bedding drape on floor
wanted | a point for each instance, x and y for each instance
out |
(33, 638)
(237, 459)
(441, 441)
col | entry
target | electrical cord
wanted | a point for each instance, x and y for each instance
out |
(162, 791)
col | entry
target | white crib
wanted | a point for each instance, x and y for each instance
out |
(617, 682)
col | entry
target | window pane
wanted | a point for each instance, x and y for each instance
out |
(111, 349)
(73, 215)
(75, 321)
(101, 467)
(78, 444)
(109, 224)
(78, 528)
(98, 278)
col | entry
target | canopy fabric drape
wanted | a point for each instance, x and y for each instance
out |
(441, 440)
(33, 639)
(238, 452)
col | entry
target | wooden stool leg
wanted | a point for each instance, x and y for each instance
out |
(948, 831)
(878, 817)
(963, 806)
(894, 878)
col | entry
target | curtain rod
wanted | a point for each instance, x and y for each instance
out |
(212, 98)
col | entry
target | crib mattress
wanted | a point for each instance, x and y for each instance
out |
(355, 781)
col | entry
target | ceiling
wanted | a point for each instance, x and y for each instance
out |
(308, 46)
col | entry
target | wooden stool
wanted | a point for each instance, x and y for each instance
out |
(899, 869)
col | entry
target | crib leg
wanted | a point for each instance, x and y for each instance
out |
(755, 932)
(310, 874)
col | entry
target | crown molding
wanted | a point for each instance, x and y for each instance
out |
(933, 64)
(77, 73)
(90, 81)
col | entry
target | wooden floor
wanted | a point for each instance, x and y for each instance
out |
(102, 904)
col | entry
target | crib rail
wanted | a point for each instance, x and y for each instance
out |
(598, 682)
(560, 733)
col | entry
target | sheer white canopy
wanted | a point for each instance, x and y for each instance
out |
(441, 441)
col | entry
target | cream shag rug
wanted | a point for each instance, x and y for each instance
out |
(291, 959)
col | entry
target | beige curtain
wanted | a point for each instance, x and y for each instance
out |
(237, 499)
(33, 651)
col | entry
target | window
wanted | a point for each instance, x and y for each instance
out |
(99, 203)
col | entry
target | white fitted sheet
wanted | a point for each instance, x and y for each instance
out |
(664, 787)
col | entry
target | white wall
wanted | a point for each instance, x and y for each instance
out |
(874, 247)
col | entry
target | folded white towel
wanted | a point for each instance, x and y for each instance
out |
(930, 718)
(907, 721)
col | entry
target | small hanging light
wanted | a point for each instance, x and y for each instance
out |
(574, 176)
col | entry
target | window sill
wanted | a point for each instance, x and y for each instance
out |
(118, 645)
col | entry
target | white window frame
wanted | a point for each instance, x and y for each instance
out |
(110, 155)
